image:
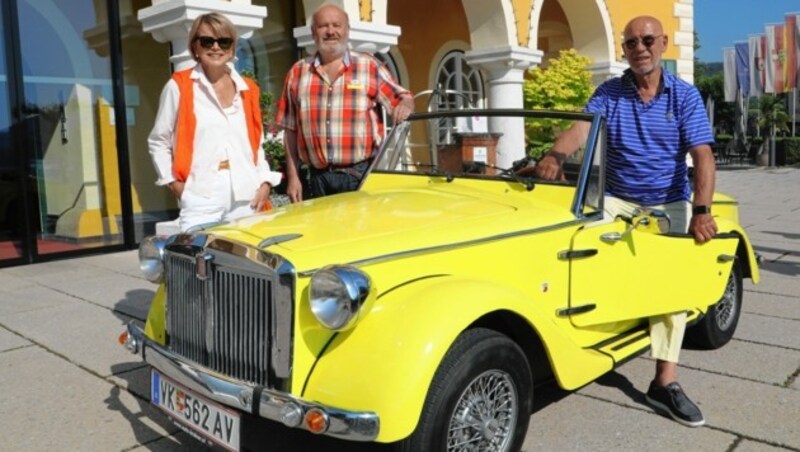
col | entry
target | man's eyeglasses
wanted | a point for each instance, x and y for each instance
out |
(207, 42)
(648, 41)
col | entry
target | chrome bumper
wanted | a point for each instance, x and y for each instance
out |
(269, 404)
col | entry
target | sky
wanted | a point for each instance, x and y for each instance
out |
(720, 23)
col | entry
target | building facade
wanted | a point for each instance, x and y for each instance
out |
(80, 82)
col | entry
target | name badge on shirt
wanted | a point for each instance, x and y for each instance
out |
(355, 84)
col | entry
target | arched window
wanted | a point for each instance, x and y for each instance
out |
(458, 86)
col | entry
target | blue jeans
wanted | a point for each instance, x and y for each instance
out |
(336, 179)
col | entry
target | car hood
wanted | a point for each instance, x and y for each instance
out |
(357, 225)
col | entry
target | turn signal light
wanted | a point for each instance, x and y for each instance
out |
(123, 338)
(316, 421)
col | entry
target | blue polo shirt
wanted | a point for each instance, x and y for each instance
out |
(648, 142)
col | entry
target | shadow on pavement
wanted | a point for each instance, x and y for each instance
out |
(135, 375)
(616, 380)
(779, 265)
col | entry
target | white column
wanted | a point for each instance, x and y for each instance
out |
(605, 70)
(365, 37)
(505, 67)
(171, 20)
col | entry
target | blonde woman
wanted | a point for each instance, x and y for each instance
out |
(206, 141)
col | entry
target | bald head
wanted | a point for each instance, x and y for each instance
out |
(643, 42)
(330, 28)
(641, 22)
(329, 10)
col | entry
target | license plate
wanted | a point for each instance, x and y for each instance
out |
(208, 419)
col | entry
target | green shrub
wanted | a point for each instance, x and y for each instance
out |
(566, 85)
(791, 149)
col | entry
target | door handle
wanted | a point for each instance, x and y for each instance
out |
(611, 237)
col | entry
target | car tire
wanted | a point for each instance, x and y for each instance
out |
(480, 396)
(717, 326)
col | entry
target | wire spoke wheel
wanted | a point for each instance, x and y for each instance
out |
(717, 326)
(485, 414)
(727, 307)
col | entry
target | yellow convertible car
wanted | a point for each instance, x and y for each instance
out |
(423, 309)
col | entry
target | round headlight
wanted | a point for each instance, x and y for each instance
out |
(151, 257)
(337, 294)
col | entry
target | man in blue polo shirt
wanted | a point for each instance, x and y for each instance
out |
(654, 119)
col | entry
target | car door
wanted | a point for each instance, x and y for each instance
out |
(620, 272)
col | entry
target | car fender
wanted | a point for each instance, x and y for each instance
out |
(750, 264)
(154, 328)
(387, 362)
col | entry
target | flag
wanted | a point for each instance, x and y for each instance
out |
(743, 67)
(756, 47)
(776, 56)
(729, 72)
(792, 51)
(710, 110)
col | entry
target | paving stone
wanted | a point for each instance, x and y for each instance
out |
(755, 410)
(126, 262)
(31, 298)
(10, 282)
(179, 442)
(773, 282)
(121, 292)
(754, 446)
(49, 404)
(770, 365)
(10, 341)
(85, 333)
(782, 306)
(769, 330)
(584, 423)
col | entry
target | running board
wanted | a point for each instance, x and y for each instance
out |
(625, 346)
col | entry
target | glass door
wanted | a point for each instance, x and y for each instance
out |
(68, 140)
(13, 221)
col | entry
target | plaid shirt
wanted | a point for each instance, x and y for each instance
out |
(335, 121)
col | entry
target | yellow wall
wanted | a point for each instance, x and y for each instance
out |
(425, 33)
(522, 13)
(366, 10)
(622, 11)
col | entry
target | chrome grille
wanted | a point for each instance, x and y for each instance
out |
(221, 321)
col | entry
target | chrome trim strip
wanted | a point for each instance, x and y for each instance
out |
(449, 246)
(276, 239)
(348, 425)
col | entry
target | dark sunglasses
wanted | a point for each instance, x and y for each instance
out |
(207, 42)
(648, 41)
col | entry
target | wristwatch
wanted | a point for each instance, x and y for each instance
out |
(701, 210)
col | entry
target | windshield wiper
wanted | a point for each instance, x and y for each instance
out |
(526, 178)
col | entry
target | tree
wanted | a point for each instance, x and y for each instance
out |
(724, 112)
(565, 84)
(772, 115)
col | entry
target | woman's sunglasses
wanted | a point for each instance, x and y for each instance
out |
(207, 42)
(648, 41)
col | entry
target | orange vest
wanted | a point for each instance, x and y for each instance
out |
(186, 122)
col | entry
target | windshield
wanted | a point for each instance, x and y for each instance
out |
(495, 145)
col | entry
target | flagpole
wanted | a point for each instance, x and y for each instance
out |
(794, 109)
